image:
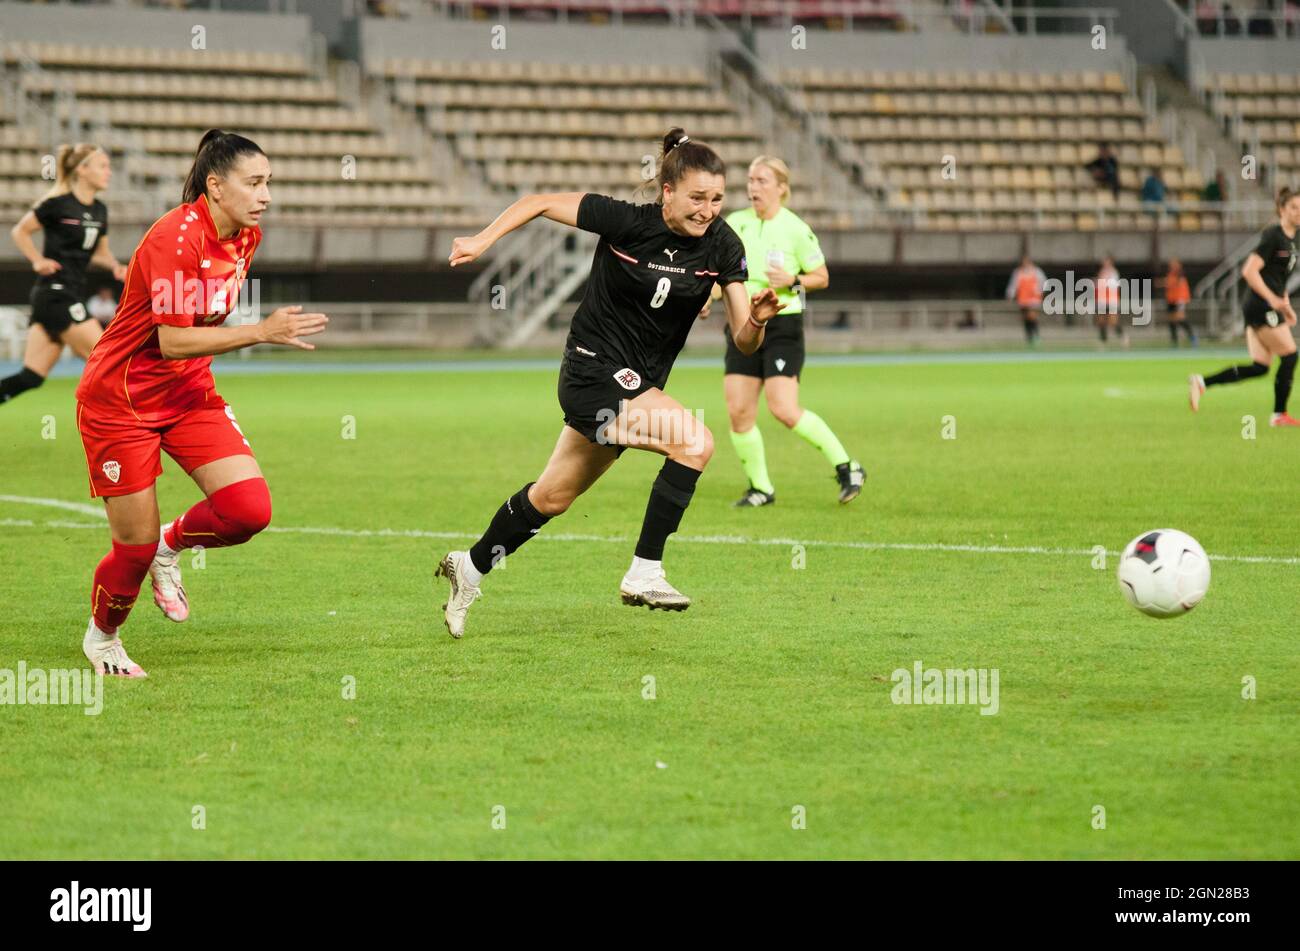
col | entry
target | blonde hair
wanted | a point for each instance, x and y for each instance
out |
(779, 169)
(67, 159)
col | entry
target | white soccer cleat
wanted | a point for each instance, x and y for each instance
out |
(463, 594)
(168, 592)
(1195, 389)
(654, 592)
(108, 657)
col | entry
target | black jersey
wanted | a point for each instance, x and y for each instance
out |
(72, 230)
(1279, 254)
(647, 284)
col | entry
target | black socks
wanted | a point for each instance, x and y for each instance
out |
(669, 497)
(1239, 373)
(22, 381)
(1282, 382)
(515, 522)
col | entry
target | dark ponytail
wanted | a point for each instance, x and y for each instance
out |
(218, 152)
(681, 155)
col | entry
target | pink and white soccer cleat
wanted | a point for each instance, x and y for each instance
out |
(1195, 390)
(168, 592)
(108, 656)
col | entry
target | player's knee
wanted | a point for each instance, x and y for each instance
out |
(742, 419)
(551, 500)
(787, 414)
(244, 508)
(700, 445)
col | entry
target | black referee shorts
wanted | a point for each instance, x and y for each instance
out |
(591, 393)
(781, 354)
(56, 308)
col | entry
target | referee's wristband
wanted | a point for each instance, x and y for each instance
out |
(760, 326)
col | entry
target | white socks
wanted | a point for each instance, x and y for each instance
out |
(99, 635)
(163, 550)
(473, 577)
(643, 568)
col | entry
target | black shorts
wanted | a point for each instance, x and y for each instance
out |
(781, 354)
(591, 393)
(56, 308)
(1259, 315)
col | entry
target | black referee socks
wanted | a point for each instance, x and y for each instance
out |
(1236, 374)
(515, 522)
(669, 497)
(22, 381)
(1282, 382)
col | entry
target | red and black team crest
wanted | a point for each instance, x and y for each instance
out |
(628, 378)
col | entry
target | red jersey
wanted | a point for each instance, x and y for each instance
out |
(182, 275)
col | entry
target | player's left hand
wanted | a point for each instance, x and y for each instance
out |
(704, 311)
(779, 278)
(119, 272)
(464, 250)
(764, 305)
(1288, 311)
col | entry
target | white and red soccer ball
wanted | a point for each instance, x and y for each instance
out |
(1164, 572)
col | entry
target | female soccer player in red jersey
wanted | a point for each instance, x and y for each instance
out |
(75, 223)
(148, 386)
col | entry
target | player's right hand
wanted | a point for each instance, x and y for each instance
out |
(46, 266)
(285, 325)
(464, 250)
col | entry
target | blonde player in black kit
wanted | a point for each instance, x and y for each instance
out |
(652, 272)
(1268, 312)
(76, 235)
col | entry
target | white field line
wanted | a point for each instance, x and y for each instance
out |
(621, 539)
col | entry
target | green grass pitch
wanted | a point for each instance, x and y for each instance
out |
(772, 692)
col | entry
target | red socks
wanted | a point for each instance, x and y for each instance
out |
(117, 582)
(230, 516)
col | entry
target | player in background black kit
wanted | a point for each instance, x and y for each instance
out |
(652, 272)
(1268, 312)
(76, 235)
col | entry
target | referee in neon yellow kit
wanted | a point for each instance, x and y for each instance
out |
(784, 254)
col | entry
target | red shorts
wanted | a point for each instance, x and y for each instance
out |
(123, 457)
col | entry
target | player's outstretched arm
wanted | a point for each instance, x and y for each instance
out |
(558, 206)
(748, 316)
(284, 326)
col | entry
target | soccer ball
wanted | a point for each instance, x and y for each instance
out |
(1164, 573)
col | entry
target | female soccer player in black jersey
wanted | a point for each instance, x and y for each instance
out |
(76, 234)
(652, 272)
(1268, 312)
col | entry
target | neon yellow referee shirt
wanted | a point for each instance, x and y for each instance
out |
(785, 242)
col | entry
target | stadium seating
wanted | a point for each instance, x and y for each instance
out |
(333, 163)
(1018, 142)
(1268, 104)
(575, 127)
